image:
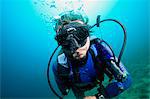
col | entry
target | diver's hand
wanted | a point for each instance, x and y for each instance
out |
(90, 97)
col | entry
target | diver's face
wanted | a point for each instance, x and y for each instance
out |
(81, 52)
(76, 42)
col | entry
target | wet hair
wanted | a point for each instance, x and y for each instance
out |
(69, 16)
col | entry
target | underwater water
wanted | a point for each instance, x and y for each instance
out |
(27, 41)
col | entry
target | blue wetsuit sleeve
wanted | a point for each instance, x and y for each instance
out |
(61, 80)
(120, 84)
(115, 88)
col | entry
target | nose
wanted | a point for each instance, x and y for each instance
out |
(78, 51)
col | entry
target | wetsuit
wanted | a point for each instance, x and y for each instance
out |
(85, 75)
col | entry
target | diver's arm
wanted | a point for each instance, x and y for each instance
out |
(122, 80)
(118, 85)
(107, 58)
(122, 77)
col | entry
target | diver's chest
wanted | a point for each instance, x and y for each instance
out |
(86, 73)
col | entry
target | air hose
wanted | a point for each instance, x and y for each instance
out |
(125, 37)
(48, 78)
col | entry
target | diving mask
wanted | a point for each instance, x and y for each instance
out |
(72, 36)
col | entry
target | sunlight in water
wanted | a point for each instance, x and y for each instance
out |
(50, 9)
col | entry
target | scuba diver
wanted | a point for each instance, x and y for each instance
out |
(84, 59)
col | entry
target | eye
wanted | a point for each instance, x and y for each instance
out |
(82, 36)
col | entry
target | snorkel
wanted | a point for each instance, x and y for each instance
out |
(76, 45)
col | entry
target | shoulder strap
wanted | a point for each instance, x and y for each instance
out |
(95, 53)
(101, 59)
(98, 60)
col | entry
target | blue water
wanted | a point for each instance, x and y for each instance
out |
(27, 43)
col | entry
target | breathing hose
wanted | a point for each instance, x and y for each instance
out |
(48, 78)
(125, 36)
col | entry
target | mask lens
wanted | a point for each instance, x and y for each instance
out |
(72, 37)
(61, 38)
(82, 35)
